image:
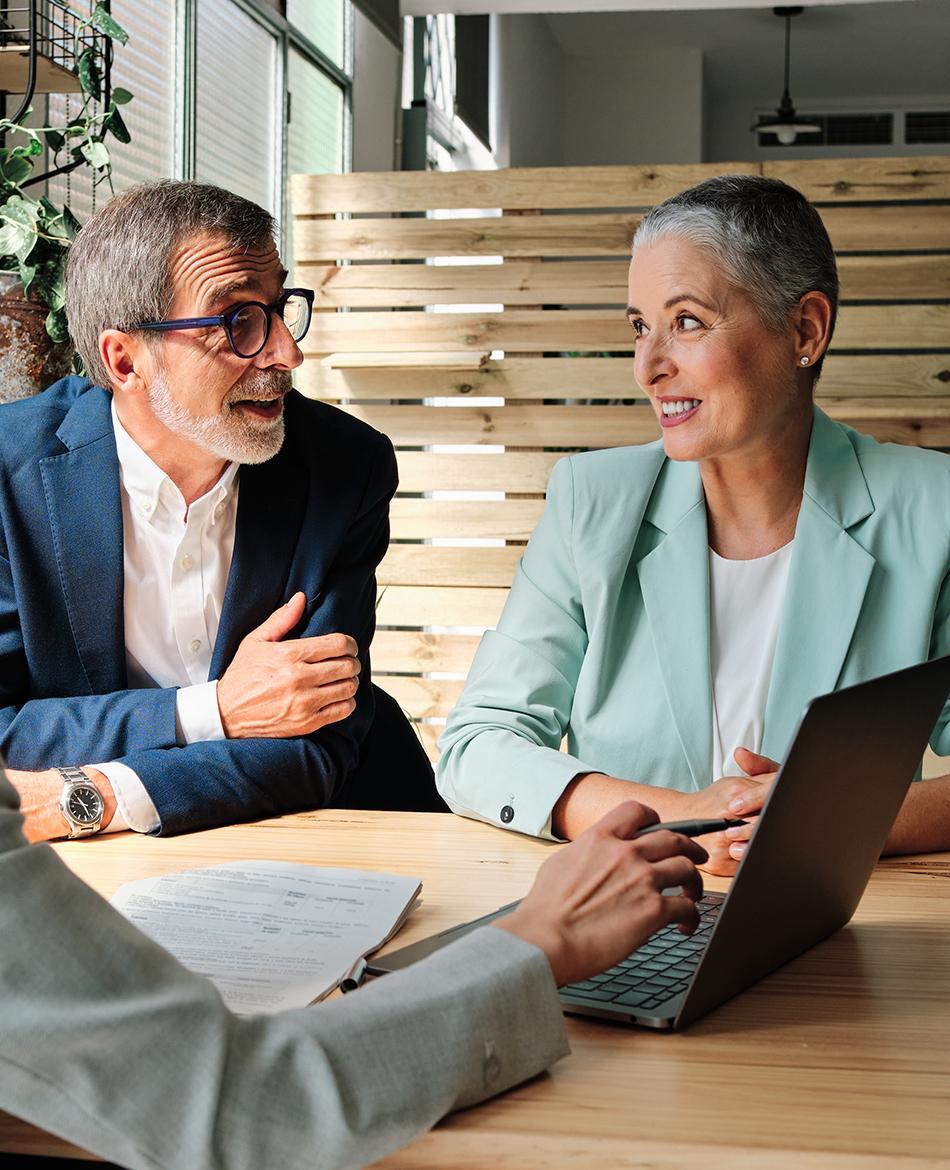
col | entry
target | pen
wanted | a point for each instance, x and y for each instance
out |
(354, 976)
(691, 828)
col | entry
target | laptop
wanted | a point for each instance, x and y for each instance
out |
(808, 861)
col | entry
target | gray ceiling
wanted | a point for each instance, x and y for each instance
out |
(851, 50)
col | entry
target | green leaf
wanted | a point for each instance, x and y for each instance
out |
(117, 127)
(90, 75)
(121, 96)
(19, 210)
(56, 294)
(54, 140)
(96, 155)
(14, 237)
(15, 170)
(71, 222)
(56, 325)
(101, 20)
(27, 275)
(30, 150)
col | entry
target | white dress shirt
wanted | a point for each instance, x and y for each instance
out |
(746, 599)
(176, 562)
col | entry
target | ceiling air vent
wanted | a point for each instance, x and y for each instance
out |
(846, 130)
(927, 126)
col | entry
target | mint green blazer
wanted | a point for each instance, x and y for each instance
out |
(605, 635)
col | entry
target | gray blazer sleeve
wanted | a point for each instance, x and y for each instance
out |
(107, 1041)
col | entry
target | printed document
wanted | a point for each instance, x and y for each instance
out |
(269, 934)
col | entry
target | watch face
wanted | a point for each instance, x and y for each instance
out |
(84, 805)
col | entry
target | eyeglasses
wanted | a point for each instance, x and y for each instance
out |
(248, 323)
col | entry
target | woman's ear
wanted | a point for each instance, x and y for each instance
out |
(813, 325)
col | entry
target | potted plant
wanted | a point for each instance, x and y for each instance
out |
(35, 233)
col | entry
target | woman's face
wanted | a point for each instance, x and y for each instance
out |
(720, 382)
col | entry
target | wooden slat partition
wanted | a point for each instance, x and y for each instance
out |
(509, 348)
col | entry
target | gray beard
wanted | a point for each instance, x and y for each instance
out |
(231, 435)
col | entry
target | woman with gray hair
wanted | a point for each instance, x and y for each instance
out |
(681, 601)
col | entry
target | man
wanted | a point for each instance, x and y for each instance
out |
(187, 546)
(108, 1042)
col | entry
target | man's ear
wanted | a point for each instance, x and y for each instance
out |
(127, 359)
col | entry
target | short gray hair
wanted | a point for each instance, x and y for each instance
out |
(117, 269)
(769, 239)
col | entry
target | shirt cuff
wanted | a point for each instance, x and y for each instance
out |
(197, 716)
(134, 807)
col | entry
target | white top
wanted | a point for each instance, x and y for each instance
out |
(745, 610)
(176, 563)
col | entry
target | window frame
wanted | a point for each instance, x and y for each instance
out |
(287, 36)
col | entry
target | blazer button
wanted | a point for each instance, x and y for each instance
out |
(507, 814)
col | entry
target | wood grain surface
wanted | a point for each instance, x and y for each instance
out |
(840, 1061)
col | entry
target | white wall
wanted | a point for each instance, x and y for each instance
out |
(627, 107)
(377, 79)
(527, 93)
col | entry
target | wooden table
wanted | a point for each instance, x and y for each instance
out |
(839, 1061)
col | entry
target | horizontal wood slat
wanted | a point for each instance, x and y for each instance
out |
(419, 605)
(509, 471)
(922, 326)
(833, 180)
(421, 698)
(578, 427)
(870, 376)
(852, 229)
(432, 565)
(502, 519)
(412, 650)
(580, 282)
(571, 427)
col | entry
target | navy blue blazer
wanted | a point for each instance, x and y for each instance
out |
(315, 517)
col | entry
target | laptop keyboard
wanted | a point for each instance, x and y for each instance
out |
(656, 972)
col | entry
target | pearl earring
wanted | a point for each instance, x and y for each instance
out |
(803, 360)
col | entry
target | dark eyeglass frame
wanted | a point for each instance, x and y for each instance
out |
(226, 319)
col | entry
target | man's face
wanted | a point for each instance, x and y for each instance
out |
(227, 406)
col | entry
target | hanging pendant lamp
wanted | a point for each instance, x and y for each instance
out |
(785, 123)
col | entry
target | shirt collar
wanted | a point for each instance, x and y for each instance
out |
(148, 487)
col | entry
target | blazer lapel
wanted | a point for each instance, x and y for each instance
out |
(84, 504)
(827, 581)
(674, 581)
(271, 504)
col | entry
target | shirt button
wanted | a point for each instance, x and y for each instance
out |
(186, 562)
(195, 645)
(507, 814)
(219, 508)
(147, 506)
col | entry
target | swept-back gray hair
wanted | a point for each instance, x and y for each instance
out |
(117, 269)
(770, 240)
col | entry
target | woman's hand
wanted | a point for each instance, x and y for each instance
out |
(733, 796)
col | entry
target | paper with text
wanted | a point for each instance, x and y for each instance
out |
(269, 934)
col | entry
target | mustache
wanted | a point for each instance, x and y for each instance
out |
(261, 386)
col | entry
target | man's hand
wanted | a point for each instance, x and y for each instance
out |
(39, 794)
(733, 796)
(275, 689)
(599, 898)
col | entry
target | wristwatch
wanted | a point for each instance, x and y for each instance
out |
(80, 803)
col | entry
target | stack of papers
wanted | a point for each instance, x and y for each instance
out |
(269, 934)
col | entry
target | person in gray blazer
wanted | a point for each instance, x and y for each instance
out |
(107, 1041)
